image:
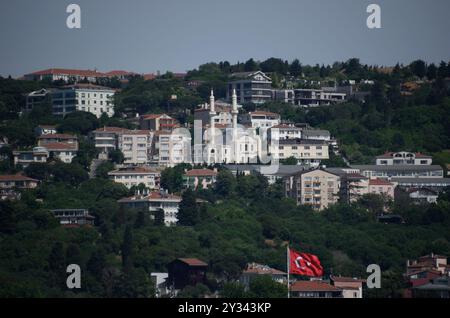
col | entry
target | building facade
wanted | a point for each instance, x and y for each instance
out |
(403, 158)
(250, 87)
(135, 176)
(315, 188)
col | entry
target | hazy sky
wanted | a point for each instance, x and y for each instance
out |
(178, 35)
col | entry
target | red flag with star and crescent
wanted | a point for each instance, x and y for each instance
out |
(304, 264)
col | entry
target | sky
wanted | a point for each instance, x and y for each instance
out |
(146, 36)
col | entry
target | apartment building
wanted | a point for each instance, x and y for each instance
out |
(135, 176)
(223, 114)
(260, 119)
(251, 87)
(157, 122)
(317, 97)
(351, 287)
(382, 187)
(106, 138)
(316, 134)
(172, 148)
(153, 202)
(94, 99)
(135, 146)
(309, 152)
(62, 151)
(316, 188)
(25, 157)
(403, 158)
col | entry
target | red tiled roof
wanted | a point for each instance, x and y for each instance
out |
(201, 172)
(65, 71)
(193, 261)
(15, 177)
(379, 182)
(301, 286)
(58, 136)
(134, 170)
(60, 146)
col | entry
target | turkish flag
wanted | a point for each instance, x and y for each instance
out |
(304, 264)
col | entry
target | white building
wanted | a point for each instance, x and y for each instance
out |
(403, 158)
(63, 151)
(135, 146)
(90, 98)
(154, 201)
(172, 148)
(45, 130)
(25, 157)
(260, 119)
(135, 176)
(106, 138)
(309, 152)
(284, 131)
(317, 97)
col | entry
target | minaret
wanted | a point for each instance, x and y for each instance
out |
(234, 112)
(212, 114)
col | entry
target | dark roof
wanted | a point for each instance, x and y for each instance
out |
(398, 167)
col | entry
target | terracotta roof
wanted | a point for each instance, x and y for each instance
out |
(149, 76)
(66, 71)
(192, 261)
(134, 170)
(200, 172)
(15, 177)
(388, 155)
(301, 286)
(424, 271)
(58, 136)
(379, 182)
(60, 146)
(110, 129)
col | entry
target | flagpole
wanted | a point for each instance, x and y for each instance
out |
(288, 269)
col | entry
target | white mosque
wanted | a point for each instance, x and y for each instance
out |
(235, 144)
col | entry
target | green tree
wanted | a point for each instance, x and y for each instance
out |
(263, 286)
(127, 249)
(188, 214)
(226, 183)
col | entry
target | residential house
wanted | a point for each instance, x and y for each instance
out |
(351, 287)
(423, 195)
(157, 122)
(199, 178)
(134, 176)
(153, 202)
(314, 289)
(186, 272)
(399, 171)
(284, 131)
(66, 75)
(260, 119)
(317, 97)
(73, 217)
(45, 139)
(10, 183)
(62, 151)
